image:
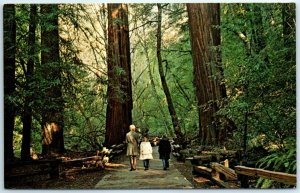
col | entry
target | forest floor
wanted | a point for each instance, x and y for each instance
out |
(91, 179)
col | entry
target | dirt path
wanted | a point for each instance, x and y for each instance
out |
(120, 177)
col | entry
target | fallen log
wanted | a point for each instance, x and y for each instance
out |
(202, 171)
(223, 184)
(202, 181)
(214, 155)
(228, 153)
(228, 173)
(204, 159)
(208, 174)
(95, 158)
(200, 159)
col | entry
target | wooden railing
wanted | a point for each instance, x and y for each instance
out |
(54, 168)
(15, 170)
(244, 172)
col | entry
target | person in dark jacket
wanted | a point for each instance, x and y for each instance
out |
(164, 150)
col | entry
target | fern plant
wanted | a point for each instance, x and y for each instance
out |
(280, 161)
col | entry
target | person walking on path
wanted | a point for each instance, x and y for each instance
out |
(132, 140)
(164, 150)
(146, 152)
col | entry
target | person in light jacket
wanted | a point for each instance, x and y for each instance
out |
(132, 140)
(146, 152)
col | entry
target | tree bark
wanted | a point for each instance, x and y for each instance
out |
(204, 21)
(119, 91)
(172, 111)
(52, 114)
(27, 114)
(9, 30)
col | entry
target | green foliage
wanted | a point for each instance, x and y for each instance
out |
(260, 76)
(17, 143)
(84, 77)
(283, 160)
(83, 89)
(259, 80)
(150, 106)
(264, 183)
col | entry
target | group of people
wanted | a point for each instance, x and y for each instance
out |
(144, 149)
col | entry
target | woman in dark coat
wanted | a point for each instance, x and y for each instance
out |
(164, 150)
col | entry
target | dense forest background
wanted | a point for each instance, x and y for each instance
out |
(76, 76)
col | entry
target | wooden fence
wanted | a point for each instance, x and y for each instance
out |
(244, 173)
(54, 168)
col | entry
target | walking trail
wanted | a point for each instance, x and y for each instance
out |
(119, 176)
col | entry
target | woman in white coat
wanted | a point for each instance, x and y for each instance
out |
(146, 152)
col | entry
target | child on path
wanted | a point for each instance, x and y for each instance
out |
(146, 152)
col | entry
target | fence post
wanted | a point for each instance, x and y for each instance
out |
(244, 180)
(54, 165)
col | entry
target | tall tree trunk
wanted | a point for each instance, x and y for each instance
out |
(172, 111)
(204, 20)
(119, 91)
(27, 114)
(52, 115)
(9, 30)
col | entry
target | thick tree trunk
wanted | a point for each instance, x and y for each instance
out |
(119, 107)
(172, 111)
(52, 115)
(9, 30)
(204, 20)
(27, 114)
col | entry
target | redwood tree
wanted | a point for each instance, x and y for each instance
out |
(9, 30)
(204, 21)
(27, 112)
(52, 111)
(119, 91)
